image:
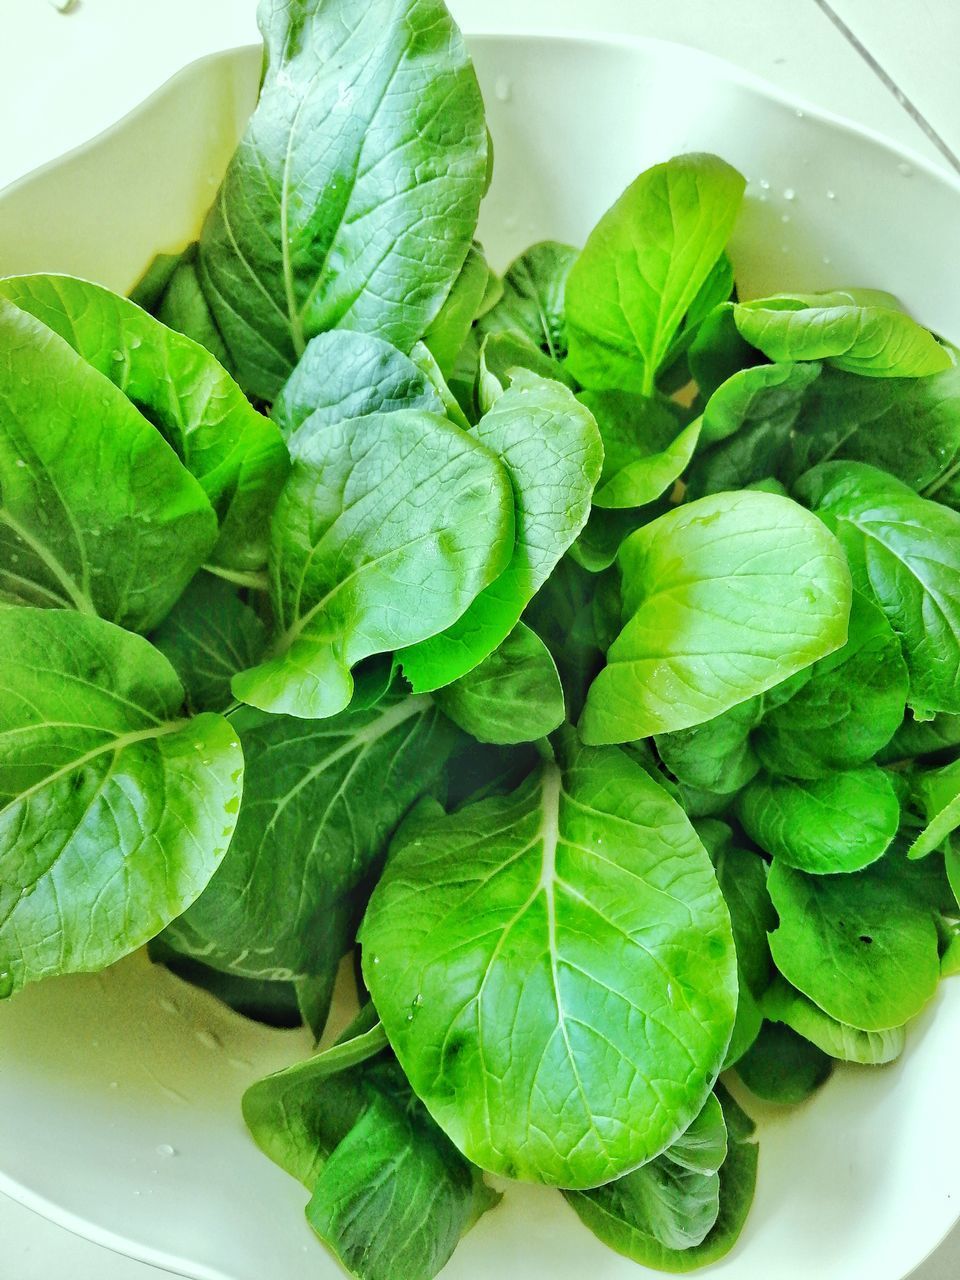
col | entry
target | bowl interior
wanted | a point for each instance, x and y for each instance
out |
(101, 1075)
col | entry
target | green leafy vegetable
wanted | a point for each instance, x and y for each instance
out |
(939, 794)
(365, 558)
(781, 1066)
(723, 599)
(644, 448)
(116, 811)
(781, 1003)
(532, 304)
(642, 268)
(515, 951)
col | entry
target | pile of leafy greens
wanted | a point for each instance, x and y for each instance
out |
(584, 641)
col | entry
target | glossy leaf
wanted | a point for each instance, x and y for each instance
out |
(642, 267)
(366, 555)
(555, 971)
(532, 304)
(838, 823)
(723, 598)
(348, 208)
(644, 448)
(321, 802)
(904, 552)
(514, 695)
(863, 947)
(551, 450)
(235, 453)
(120, 537)
(114, 810)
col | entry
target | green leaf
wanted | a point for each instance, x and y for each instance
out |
(184, 308)
(717, 755)
(862, 946)
(514, 695)
(390, 1195)
(855, 330)
(115, 810)
(904, 553)
(351, 202)
(781, 1003)
(605, 532)
(514, 951)
(723, 599)
(272, 1003)
(501, 355)
(938, 792)
(550, 448)
(623, 1221)
(783, 1067)
(923, 738)
(644, 448)
(321, 802)
(207, 637)
(907, 426)
(642, 268)
(532, 305)
(848, 709)
(717, 351)
(235, 453)
(343, 375)
(365, 558)
(96, 512)
(448, 330)
(839, 823)
(742, 876)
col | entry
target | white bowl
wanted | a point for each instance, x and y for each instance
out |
(100, 1076)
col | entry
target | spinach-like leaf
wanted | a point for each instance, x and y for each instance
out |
(96, 512)
(500, 357)
(207, 637)
(321, 802)
(184, 308)
(114, 810)
(862, 946)
(854, 330)
(904, 552)
(847, 710)
(783, 1067)
(555, 970)
(235, 453)
(532, 305)
(938, 792)
(550, 447)
(842, 822)
(352, 199)
(388, 528)
(514, 695)
(449, 329)
(717, 755)
(343, 374)
(642, 267)
(644, 448)
(923, 738)
(614, 1216)
(723, 598)
(390, 1194)
(742, 875)
(781, 1003)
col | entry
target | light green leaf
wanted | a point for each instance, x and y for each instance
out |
(349, 203)
(838, 823)
(235, 453)
(551, 450)
(622, 1219)
(938, 792)
(724, 598)
(342, 375)
(449, 328)
(863, 946)
(114, 811)
(555, 971)
(904, 553)
(781, 1003)
(500, 357)
(184, 308)
(644, 448)
(207, 637)
(96, 512)
(514, 695)
(642, 267)
(365, 557)
(855, 330)
(532, 305)
(321, 802)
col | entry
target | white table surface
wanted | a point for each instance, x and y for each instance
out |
(67, 76)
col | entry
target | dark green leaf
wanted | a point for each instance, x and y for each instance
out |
(644, 448)
(532, 305)
(781, 1066)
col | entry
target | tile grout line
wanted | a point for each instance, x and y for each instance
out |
(884, 76)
